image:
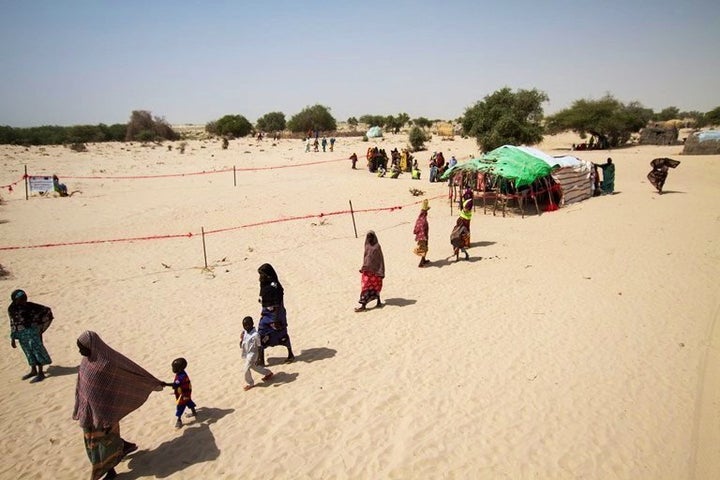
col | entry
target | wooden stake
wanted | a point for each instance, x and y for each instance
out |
(26, 184)
(202, 230)
(234, 177)
(352, 214)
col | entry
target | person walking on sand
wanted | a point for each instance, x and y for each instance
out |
(372, 272)
(183, 391)
(250, 346)
(659, 172)
(332, 144)
(109, 387)
(28, 322)
(421, 232)
(272, 326)
(324, 143)
(460, 235)
(353, 159)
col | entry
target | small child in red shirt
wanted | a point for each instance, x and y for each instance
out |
(183, 391)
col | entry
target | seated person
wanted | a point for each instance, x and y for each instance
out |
(59, 187)
(395, 171)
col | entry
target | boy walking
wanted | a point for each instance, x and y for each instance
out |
(250, 345)
(183, 390)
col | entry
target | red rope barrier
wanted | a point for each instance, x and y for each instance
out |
(207, 232)
(225, 170)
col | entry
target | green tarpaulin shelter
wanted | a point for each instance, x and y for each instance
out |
(509, 162)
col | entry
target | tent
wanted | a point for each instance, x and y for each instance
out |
(513, 169)
(374, 132)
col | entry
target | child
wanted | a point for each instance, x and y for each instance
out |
(183, 390)
(250, 344)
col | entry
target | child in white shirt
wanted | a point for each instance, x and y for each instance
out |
(250, 344)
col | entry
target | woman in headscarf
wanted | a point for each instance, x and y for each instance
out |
(372, 271)
(659, 172)
(272, 326)
(421, 231)
(109, 386)
(28, 322)
(460, 235)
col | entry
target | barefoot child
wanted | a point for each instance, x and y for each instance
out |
(250, 344)
(183, 390)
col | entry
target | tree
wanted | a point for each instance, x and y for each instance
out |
(396, 123)
(373, 120)
(422, 122)
(271, 122)
(417, 138)
(505, 117)
(712, 117)
(317, 117)
(668, 113)
(230, 125)
(353, 122)
(142, 124)
(608, 119)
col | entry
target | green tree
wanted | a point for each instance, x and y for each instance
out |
(317, 117)
(712, 117)
(373, 120)
(230, 125)
(417, 138)
(422, 122)
(607, 119)
(353, 122)
(271, 122)
(668, 113)
(505, 117)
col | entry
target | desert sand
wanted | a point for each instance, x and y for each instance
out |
(580, 343)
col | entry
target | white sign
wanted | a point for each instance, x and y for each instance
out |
(40, 184)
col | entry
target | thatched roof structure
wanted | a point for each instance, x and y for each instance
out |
(659, 134)
(696, 145)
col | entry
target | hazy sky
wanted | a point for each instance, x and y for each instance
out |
(69, 62)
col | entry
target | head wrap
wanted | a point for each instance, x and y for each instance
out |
(373, 260)
(109, 385)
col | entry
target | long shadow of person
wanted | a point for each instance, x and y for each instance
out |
(59, 371)
(399, 302)
(314, 354)
(195, 445)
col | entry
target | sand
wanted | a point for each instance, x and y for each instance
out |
(580, 343)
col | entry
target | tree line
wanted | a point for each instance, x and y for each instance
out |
(503, 117)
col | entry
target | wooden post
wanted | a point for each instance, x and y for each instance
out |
(26, 184)
(202, 230)
(234, 177)
(352, 214)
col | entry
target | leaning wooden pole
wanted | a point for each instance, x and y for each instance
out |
(352, 214)
(234, 177)
(202, 230)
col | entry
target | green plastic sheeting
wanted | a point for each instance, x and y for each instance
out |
(507, 161)
(517, 165)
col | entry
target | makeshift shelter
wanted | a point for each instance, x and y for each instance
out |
(444, 130)
(703, 143)
(659, 135)
(574, 180)
(374, 132)
(522, 174)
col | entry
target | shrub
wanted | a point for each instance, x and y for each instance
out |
(141, 122)
(78, 147)
(313, 118)
(230, 125)
(417, 138)
(271, 122)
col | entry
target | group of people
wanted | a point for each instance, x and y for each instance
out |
(110, 385)
(438, 166)
(317, 142)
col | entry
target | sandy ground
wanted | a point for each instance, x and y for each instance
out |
(580, 343)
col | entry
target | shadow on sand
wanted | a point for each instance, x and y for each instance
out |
(195, 445)
(399, 302)
(59, 370)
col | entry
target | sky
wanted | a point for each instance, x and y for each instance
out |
(75, 62)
